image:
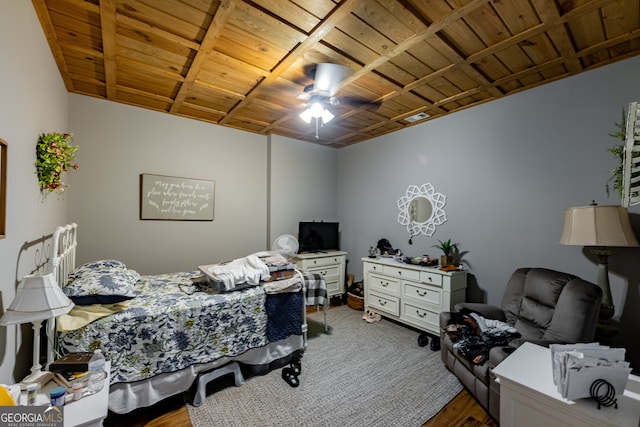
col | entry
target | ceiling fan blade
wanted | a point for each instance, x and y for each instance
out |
(358, 102)
(328, 77)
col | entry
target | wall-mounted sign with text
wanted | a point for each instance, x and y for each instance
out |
(174, 198)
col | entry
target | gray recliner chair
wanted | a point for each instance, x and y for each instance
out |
(545, 306)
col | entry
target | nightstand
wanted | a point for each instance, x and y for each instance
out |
(90, 411)
(529, 398)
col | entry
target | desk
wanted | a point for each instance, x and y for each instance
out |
(528, 396)
(89, 411)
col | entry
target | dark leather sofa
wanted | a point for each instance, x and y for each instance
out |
(545, 306)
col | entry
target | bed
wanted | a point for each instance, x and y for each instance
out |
(161, 331)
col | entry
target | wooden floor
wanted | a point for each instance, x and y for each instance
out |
(462, 411)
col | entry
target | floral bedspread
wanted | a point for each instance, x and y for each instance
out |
(173, 323)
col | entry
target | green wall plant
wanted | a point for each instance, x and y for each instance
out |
(54, 156)
(618, 152)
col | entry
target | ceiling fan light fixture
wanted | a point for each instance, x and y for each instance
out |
(306, 115)
(316, 110)
(326, 116)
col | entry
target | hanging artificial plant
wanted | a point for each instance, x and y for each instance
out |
(618, 151)
(54, 155)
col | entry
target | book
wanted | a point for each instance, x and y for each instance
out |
(72, 362)
(68, 379)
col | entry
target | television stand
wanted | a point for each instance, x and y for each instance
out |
(330, 264)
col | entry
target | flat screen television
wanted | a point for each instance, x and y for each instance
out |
(318, 236)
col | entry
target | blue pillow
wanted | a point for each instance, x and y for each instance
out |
(103, 286)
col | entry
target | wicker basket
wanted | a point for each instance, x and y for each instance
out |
(355, 302)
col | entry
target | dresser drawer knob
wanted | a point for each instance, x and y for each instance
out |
(423, 314)
(381, 302)
(423, 293)
(384, 284)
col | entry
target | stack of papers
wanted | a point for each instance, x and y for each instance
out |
(577, 366)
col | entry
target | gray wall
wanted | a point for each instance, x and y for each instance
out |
(119, 142)
(34, 101)
(303, 184)
(263, 186)
(509, 168)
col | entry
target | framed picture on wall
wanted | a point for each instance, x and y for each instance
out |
(175, 199)
(3, 188)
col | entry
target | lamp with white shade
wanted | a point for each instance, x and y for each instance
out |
(38, 297)
(599, 228)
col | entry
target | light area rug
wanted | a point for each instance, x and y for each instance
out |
(357, 374)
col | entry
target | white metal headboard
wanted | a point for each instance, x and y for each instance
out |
(63, 253)
(63, 261)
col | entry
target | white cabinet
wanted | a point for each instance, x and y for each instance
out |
(411, 294)
(330, 264)
(529, 397)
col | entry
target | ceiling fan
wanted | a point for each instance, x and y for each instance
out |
(321, 93)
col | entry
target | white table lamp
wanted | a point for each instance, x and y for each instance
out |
(38, 297)
(599, 227)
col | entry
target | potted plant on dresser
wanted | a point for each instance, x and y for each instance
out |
(446, 247)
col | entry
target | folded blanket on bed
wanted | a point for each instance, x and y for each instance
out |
(250, 270)
(293, 284)
(272, 258)
(81, 315)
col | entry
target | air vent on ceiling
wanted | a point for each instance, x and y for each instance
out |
(416, 117)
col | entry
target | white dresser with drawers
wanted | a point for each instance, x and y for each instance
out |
(330, 264)
(411, 294)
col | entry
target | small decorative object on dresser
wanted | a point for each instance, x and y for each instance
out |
(446, 247)
(412, 294)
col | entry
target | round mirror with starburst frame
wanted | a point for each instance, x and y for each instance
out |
(421, 210)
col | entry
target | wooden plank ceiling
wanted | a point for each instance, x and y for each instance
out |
(244, 64)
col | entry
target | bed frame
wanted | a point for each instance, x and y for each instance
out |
(148, 392)
(63, 260)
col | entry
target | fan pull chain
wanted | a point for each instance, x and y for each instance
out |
(317, 137)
